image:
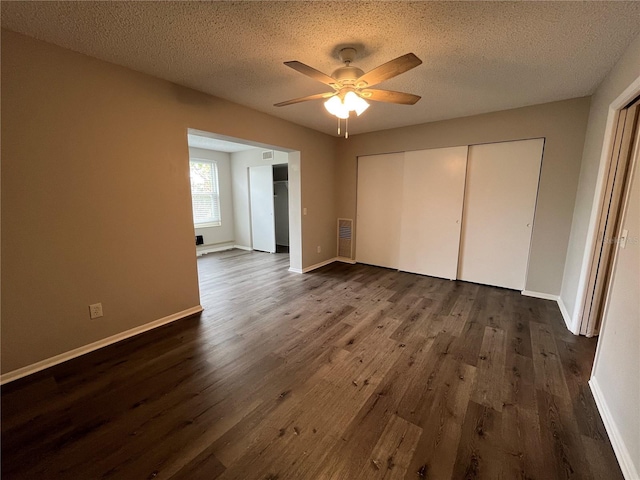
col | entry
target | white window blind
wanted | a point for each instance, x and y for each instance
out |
(205, 197)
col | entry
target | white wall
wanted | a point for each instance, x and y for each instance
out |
(616, 371)
(240, 163)
(616, 379)
(621, 76)
(222, 234)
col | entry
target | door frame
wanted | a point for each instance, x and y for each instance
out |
(616, 180)
(626, 97)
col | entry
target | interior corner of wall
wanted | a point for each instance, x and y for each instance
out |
(567, 317)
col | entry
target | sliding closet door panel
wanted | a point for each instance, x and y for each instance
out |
(432, 211)
(499, 204)
(379, 209)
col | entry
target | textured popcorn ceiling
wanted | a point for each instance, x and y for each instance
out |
(478, 56)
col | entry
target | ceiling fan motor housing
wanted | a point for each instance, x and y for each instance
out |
(347, 75)
(347, 55)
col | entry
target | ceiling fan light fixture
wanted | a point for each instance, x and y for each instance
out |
(355, 103)
(335, 106)
(350, 103)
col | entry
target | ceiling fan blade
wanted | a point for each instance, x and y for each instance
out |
(311, 72)
(390, 96)
(388, 70)
(317, 96)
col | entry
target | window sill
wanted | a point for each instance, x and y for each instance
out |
(207, 225)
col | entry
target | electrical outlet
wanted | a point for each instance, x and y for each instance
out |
(319, 249)
(95, 310)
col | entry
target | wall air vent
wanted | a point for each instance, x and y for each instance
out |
(267, 155)
(345, 245)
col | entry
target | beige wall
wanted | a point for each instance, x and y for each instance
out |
(623, 74)
(94, 167)
(563, 125)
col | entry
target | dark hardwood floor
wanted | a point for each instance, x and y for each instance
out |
(348, 372)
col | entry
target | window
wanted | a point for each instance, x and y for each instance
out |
(205, 197)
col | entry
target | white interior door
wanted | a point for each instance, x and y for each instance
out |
(263, 230)
(499, 205)
(379, 205)
(433, 193)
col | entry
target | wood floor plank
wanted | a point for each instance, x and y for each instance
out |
(435, 368)
(519, 382)
(442, 421)
(353, 449)
(480, 455)
(347, 372)
(205, 467)
(560, 438)
(524, 456)
(550, 375)
(489, 385)
(392, 454)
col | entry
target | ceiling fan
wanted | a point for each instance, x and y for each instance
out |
(351, 86)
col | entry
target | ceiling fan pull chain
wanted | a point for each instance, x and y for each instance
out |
(338, 126)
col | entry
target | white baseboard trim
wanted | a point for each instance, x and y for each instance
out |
(563, 309)
(345, 260)
(544, 296)
(623, 455)
(318, 265)
(220, 248)
(565, 315)
(76, 352)
(213, 248)
(313, 267)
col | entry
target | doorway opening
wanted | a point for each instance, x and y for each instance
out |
(269, 206)
(228, 174)
(281, 206)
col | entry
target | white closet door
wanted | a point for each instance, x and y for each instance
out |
(263, 228)
(433, 194)
(499, 204)
(379, 209)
